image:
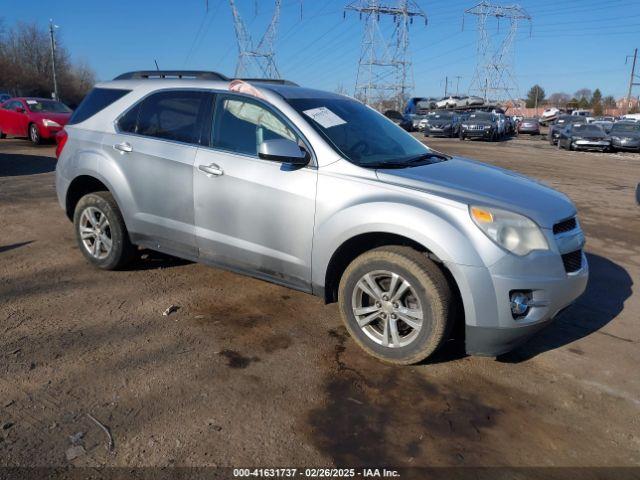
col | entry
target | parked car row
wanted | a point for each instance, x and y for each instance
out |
(623, 135)
(574, 132)
(35, 118)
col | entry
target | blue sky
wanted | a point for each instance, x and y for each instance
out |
(573, 43)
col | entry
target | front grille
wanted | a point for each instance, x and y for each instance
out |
(476, 127)
(565, 226)
(572, 261)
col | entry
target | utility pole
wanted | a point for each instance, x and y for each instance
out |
(632, 78)
(52, 27)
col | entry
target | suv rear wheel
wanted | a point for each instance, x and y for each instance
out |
(396, 304)
(101, 233)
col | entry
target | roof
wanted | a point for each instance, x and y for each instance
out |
(286, 90)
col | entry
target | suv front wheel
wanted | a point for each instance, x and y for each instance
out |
(101, 233)
(396, 304)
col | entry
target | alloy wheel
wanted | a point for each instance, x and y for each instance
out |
(95, 233)
(387, 308)
(33, 131)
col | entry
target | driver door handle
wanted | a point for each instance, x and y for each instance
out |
(123, 147)
(211, 169)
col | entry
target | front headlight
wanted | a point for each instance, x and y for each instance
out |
(50, 123)
(511, 231)
(575, 137)
(464, 125)
(488, 127)
(616, 138)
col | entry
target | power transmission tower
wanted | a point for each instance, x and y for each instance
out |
(384, 68)
(494, 76)
(260, 60)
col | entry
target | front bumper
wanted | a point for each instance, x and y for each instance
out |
(439, 132)
(485, 133)
(591, 144)
(491, 328)
(633, 146)
(48, 132)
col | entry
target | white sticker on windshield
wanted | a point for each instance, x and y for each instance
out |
(325, 117)
(31, 102)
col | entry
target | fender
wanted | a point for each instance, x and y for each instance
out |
(437, 233)
(95, 164)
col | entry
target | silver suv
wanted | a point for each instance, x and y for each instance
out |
(318, 192)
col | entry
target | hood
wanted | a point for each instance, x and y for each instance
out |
(634, 135)
(589, 134)
(472, 182)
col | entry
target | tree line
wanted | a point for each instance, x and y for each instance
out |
(25, 65)
(583, 98)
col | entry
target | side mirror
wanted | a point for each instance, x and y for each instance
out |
(20, 110)
(283, 150)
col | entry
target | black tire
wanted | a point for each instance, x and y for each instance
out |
(34, 134)
(2, 134)
(430, 287)
(461, 137)
(122, 250)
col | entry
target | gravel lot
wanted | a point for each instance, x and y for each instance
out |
(246, 373)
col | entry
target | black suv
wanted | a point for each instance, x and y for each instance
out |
(442, 124)
(483, 125)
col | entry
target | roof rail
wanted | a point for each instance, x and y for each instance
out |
(190, 74)
(273, 81)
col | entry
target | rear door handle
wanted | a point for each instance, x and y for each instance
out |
(123, 147)
(211, 169)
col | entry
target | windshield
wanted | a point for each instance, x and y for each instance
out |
(442, 116)
(530, 120)
(585, 128)
(49, 106)
(626, 127)
(359, 133)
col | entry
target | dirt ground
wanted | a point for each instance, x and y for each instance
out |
(246, 373)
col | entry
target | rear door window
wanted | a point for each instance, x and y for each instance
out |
(171, 115)
(98, 99)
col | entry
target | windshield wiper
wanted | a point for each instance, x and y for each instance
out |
(427, 156)
(409, 162)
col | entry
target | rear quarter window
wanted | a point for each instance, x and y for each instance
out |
(98, 99)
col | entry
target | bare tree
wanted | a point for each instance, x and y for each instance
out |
(584, 94)
(25, 65)
(558, 99)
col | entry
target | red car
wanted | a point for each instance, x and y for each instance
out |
(36, 118)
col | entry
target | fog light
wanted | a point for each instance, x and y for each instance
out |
(520, 303)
